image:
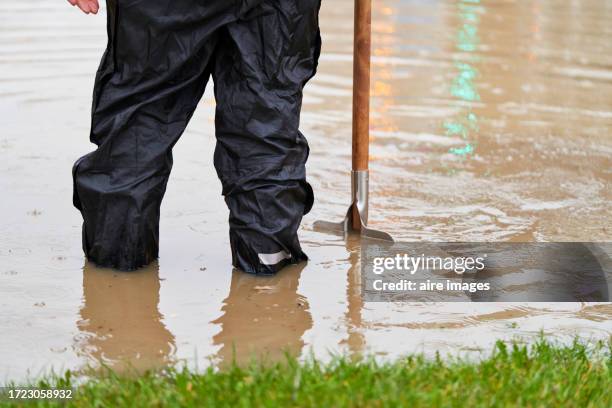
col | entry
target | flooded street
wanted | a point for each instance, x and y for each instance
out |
(491, 121)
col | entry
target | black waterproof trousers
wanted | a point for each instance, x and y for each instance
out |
(159, 57)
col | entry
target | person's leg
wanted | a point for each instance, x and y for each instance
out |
(262, 64)
(149, 82)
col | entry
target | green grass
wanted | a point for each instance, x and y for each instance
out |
(543, 374)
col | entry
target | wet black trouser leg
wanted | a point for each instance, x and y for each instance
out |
(159, 57)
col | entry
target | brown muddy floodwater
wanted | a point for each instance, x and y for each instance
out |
(491, 121)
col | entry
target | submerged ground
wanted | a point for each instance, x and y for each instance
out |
(490, 121)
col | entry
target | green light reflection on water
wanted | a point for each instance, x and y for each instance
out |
(465, 124)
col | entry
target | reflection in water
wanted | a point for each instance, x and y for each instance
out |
(120, 324)
(465, 123)
(383, 91)
(263, 317)
(354, 322)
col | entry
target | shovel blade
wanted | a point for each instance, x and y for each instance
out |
(345, 227)
(375, 234)
(328, 226)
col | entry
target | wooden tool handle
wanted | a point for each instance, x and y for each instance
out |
(361, 83)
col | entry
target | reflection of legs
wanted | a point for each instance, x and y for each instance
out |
(263, 317)
(262, 64)
(146, 89)
(120, 320)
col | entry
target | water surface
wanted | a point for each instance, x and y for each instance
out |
(491, 121)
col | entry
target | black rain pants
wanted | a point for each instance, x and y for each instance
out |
(159, 57)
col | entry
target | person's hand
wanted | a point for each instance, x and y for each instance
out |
(87, 6)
